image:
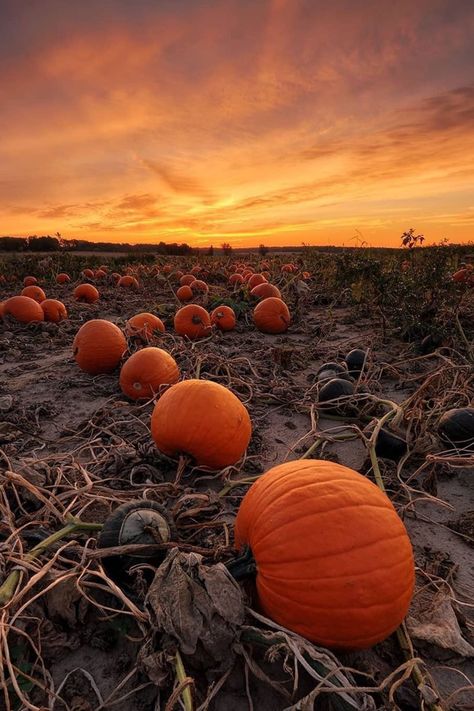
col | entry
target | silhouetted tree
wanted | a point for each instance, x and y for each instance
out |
(210, 251)
(43, 244)
(263, 251)
(227, 249)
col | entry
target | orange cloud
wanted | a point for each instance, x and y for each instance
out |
(281, 120)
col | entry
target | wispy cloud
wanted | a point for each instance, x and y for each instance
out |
(284, 118)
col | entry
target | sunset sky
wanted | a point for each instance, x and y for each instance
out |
(245, 121)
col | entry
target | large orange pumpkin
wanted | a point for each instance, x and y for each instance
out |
(265, 291)
(185, 293)
(202, 419)
(99, 346)
(224, 318)
(86, 293)
(23, 309)
(192, 321)
(63, 278)
(54, 310)
(144, 326)
(34, 292)
(334, 561)
(30, 281)
(146, 371)
(271, 315)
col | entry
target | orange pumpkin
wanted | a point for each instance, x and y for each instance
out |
(144, 326)
(271, 315)
(334, 561)
(63, 278)
(23, 309)
(265, 291)
(255, 280)
(146, 371)
(192, 321)
(99, 346)
(461, 276)
(236, 279)
(224, 318)
(128, 282)
(196, 269)
(115, 277)
(34, 292)
(199, 285)
(30, 281)
(185, 293)
(2, 308)
(86, 293)
(202, 419)
(54, 310)
(187, 279)
(100, 274)
(88, 273)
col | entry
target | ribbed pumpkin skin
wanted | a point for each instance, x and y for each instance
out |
(203, 419)
(255, 280)
(23, 309)
(271, 315)
(334, 560)
(187, 279)
(86, 293)
(54, 310)
(192, 321)
(146, 371)
(128, 282)
(99, 346)
(144, 325)
(34, 292)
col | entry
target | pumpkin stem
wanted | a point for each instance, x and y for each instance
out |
(243, 566)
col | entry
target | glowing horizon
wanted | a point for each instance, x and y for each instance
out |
(281, 122)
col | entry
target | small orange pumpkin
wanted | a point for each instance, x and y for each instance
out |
(144, 326)
(98, 346)
(187, 279)
(115, 276)
(334, 561)
(63, 278)
(224, 318)
(54, 310)
(271, 315)
(146, 371)
(185, 293)
(34, 292)
(192, 321)
(236, 279)
(86, 293)
(128, 282)
(88, 273)
(196, 270)
(199, 285)
(202, 419)
(265, 291)
(100, 274)
(23, 309)
(30, 281)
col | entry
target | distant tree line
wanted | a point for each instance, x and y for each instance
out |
(48, 243)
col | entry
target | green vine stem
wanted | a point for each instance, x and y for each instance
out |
(9, 586)
(181, 677)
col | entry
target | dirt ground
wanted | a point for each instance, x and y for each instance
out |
(61, 428)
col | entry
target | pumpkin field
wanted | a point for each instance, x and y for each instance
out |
(237, 482)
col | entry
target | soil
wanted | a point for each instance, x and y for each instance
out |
(60, 428)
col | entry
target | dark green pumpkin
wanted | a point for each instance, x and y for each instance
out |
(456, 427)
